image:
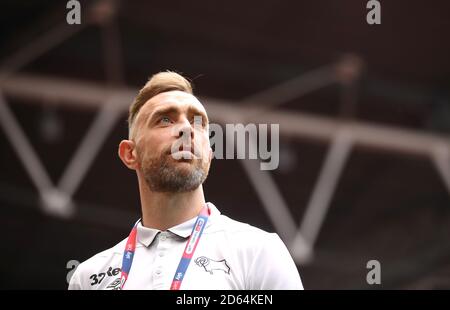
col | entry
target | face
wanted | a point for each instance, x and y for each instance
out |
(172, 142)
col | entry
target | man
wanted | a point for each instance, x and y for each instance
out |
(181, 242)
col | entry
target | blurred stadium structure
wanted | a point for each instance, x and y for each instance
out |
(364, 118)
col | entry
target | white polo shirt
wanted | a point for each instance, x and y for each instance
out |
(230, 255)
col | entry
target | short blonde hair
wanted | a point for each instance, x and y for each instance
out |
(159, 83)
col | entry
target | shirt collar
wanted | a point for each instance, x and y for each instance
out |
(146, 235)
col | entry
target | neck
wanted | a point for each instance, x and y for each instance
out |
(162, 210)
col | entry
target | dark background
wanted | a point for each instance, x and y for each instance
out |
(390, 206)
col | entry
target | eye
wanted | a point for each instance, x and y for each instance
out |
(198, 121)
(165, 120)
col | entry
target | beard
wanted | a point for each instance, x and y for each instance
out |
(165, 174)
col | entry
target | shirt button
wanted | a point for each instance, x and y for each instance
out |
(161, 254)
(158, 272)
(163, 238)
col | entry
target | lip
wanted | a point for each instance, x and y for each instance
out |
(180, 155)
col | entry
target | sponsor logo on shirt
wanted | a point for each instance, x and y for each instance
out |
(98, 278)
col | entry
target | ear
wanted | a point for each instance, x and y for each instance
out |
(127, 154)
(210, 154)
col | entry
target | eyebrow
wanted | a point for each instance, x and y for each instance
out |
(174, 110)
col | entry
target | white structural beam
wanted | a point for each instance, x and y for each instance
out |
(89, 95)
(342, 134)
(441, 159)
(320, 200)
(269, 194)
(37, 48)
(89, 147)
(23, 148)
(292, 89)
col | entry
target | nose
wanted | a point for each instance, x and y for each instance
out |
(186, 129)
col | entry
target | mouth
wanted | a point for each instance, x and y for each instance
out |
(183, 152)
(183, 155)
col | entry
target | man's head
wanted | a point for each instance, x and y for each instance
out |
(168, 135)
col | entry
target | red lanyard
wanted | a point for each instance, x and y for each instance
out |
(188, 253)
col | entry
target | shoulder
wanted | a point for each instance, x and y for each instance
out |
(228, 225)
(245, 236)
(107, 260)
(103, 257)
(263, 256)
